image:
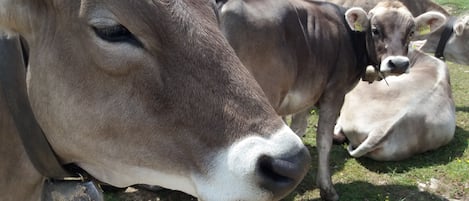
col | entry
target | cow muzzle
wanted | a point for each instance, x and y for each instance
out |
(257, 169)
(395, 65)
(279, 175)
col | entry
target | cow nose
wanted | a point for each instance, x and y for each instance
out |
(281, 175)
(399, 64)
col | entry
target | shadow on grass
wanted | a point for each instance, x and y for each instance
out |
(462, 109)
(360, 190)
(440, 156)
(363, 191)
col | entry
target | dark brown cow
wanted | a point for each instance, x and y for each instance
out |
(308, 52)
(144, 92)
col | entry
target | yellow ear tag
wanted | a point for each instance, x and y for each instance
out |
(424, 30)
(358, 26)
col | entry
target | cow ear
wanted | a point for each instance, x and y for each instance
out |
(357, 19)
(459, 28)
(429, 22)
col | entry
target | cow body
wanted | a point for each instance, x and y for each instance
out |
(304, 53)
(283, 54)
(296, 70)
(156, 97)
(412, 113)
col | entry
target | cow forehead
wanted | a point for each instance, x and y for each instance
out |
(391, 7)
(392, 19)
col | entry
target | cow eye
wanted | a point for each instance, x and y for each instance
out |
(375, 31)
(411, 34)
(116, 34)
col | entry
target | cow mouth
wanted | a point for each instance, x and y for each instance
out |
(278, 175)
(275, 170)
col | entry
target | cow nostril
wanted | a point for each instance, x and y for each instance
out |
(280, 175)
(399, 65)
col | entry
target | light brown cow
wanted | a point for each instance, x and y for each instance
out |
(410, 114)
(145, 92)
(308, 52)
(455, 49)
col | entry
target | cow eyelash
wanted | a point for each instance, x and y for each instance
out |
(116, 33)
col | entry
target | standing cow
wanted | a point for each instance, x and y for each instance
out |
(402, 116)
(448, 41)
(310, 52)
(142, 92)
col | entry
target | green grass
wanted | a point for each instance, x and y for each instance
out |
(368, 180)
(455, 6)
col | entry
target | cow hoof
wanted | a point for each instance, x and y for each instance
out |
(330, 195)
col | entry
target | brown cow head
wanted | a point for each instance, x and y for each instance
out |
(391, 27)
(150, 92)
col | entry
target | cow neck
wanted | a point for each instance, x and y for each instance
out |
(12, 79)
(445, 35)
(364, 50)
(372, 57)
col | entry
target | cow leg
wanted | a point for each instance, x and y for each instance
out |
(328, 114)
(299, 122)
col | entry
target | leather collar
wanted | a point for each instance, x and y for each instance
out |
(447, 33)
(13, 82)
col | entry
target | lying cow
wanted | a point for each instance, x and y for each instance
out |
(402, 116)
(153, 97)
(305, 52)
